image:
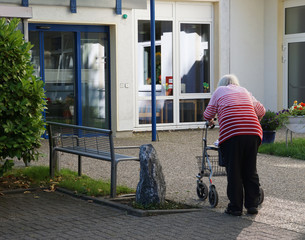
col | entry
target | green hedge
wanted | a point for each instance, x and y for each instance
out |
(22, 97)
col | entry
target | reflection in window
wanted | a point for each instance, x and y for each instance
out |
(94, 62)
(195, 58)
(164, 60)
(59, 70)
(164, 111)
(147, 65)
(35, 58)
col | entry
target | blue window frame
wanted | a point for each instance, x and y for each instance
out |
(78, 38)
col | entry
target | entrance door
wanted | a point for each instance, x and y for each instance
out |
(73, 61)
(94, 79)
(295, 71)
(294, 53)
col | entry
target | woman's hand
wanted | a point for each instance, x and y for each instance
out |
(211, 122)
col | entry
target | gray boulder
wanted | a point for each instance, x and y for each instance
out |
(151, 187)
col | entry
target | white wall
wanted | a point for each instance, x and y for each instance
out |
(271, 55)
(247, 44)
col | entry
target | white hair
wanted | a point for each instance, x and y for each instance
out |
(228, 79)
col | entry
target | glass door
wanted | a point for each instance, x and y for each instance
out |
(296, 72)
(94, 70)
(59, 71)
(73, 61)
(57, 68)
(294, 53)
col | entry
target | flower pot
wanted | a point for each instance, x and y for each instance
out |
(268, 136)
(296, 124)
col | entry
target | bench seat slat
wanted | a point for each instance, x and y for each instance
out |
(95, 154)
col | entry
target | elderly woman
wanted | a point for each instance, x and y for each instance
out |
(240, 135)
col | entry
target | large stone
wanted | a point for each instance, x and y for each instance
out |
(151, 187)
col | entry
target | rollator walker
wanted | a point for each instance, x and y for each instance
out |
(209, 166)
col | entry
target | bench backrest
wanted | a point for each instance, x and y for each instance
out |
(80, 138)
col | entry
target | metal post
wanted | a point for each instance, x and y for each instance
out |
(153, 70)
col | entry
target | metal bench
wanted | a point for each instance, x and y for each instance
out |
(88, 142)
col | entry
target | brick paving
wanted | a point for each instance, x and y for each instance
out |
(44, 215)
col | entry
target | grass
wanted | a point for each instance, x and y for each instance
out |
(38, 176)
(296, 149)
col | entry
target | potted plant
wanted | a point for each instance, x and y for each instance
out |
(206, 87)
(270, 123)
(296, 117)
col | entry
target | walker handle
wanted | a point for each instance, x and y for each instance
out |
(207, 123)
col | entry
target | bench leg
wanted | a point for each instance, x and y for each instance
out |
(53, 162)
(79, 165)
(113, 179)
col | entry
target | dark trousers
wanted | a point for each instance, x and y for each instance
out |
(240, 153)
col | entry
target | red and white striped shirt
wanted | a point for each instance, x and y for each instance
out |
(237, 110)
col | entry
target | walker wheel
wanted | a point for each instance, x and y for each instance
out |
(202, 190)
(213, 196)
(261, 196)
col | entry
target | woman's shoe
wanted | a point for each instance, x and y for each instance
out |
(232, 212)
(252, 210)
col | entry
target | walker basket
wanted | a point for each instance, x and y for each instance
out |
(217, 170)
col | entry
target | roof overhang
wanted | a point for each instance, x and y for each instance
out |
(16, 12)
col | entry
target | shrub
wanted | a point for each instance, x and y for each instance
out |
(22, 98)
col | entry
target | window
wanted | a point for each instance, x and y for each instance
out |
(194, 58)
(164, 62)
(294, 20)
(183, 64)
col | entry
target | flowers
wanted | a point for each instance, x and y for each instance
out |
(297, 109)
(273, 120)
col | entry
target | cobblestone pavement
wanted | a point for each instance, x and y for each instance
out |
(43, 215)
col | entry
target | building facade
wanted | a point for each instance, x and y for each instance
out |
(94, 57)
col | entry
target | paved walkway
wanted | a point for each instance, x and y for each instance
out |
(56, 216)
(42, 215)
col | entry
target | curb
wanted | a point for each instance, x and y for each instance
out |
(128, 209)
